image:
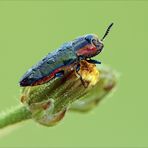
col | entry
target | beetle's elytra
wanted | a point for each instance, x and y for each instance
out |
(64, 59)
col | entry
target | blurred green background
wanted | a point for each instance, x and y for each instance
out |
(29, 30)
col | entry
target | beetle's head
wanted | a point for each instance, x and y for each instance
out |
(89, 45)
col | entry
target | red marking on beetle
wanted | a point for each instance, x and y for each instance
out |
(52, 75)
(47, 78)
(87, 50)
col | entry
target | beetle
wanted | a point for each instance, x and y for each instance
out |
(65, 58)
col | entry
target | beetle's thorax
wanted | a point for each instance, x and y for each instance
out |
(84, 47)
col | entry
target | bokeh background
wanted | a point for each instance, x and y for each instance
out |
(29, 30)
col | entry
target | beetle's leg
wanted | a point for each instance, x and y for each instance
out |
(78, 68)
(93, 61)
(59, 74)
(77, 71)
(80, 58)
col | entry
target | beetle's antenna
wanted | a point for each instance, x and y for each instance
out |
(107, 31)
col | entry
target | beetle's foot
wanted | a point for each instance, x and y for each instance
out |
(93, 61)
(59, 74)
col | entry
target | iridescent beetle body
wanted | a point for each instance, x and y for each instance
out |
(49, 66)
(64, 59)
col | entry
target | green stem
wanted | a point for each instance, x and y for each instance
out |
(14, 116)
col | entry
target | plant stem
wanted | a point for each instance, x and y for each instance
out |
(13, 116)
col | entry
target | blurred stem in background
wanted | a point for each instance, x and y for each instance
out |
(48, 103)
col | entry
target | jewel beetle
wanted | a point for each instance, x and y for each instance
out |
(65, 58)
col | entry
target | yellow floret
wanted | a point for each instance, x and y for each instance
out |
(89, 72)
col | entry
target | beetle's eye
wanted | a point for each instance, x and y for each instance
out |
(88, 40)
(94, 42)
